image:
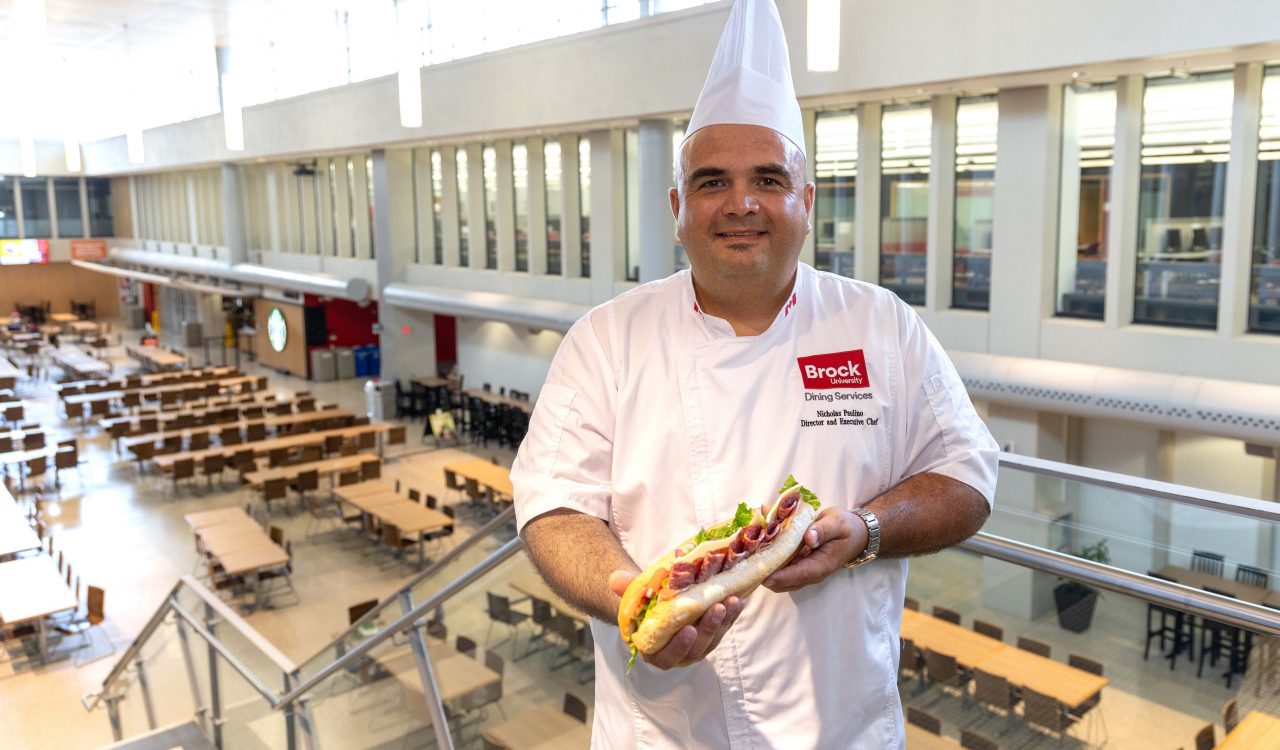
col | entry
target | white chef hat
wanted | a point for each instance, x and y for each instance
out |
(750, 78)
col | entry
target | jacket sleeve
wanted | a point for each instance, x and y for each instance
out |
(566, 458)
(940, 431)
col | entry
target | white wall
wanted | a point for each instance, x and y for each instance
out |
(504, 355)
(656, 66)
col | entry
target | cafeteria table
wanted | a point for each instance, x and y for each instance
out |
(30, 590)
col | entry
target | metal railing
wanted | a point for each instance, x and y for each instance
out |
(413, 616)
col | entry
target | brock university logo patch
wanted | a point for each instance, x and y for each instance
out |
(834, 370)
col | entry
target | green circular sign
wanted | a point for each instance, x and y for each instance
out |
(277, 330)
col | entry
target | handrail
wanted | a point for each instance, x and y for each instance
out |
(466, 544)
(408, 619)
(229, 617)
(233, 618)
(1220, 501)
(1262, 620)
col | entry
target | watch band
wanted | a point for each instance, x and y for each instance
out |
(872, 550)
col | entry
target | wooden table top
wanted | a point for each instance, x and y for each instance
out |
(532, 584)
(82, 326)
(16, 534)
(156, 356)
(429, 381)
(365, 497)
(494, 398)
(18, 456)
(63, 317)
(919, 738)
(539, 725)
(456, 675)
(966, 646)
(205, 518)
(1198, 580)
(327, 466)
(1067, 684)
(25, 337)
(153, 392)
(263, 447)
(235, 536)
(252, 559)
(486, 473)
(197, 410)
(411, 518)
(216, 429)
(1256, 730)
(70, 359)
(31, 588)
(7, 370)
(148, 379)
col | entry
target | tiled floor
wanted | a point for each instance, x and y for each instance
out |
(124, 531)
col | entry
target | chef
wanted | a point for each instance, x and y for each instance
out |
(667, 406)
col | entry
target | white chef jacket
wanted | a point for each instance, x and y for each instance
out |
(657, 419)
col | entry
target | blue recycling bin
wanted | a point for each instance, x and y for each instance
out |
(375, 360)
(362, 361)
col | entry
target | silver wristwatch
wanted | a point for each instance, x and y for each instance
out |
(873, 538)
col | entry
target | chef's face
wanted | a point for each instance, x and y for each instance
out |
(741, 203)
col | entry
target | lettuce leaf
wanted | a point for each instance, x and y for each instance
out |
(805, 494)
(653, 602)
(632, 661)
(741, 518)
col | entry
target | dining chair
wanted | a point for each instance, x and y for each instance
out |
(500, 611)
(573, 706)
(911, 604)
(943, 613)
(924, 720)
(1230, 715)
(1252, 576)
(466, 646)
(989, 630)
(1036, 647)
(942, 670)
(995, 693)
(1207, 562)
(971, 740)
(1204, 738)
(1045, 712)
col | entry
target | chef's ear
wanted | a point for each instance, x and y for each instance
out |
(674, 196)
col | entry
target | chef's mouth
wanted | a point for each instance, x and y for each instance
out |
(741, 235)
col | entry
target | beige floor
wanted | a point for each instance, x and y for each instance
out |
(125, 532)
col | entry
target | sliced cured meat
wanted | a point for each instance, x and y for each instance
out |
(788, 506)
(750, 537)
(683, 573)
(770, 532)
(711, 564)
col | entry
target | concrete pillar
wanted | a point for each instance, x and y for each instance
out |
(537, 192)
(809, 120)
(1239, 202)
(655, 222)
(571, 208)
(942, 209)
(449, 214)
(1126, 175)
(608, 217)
(393, 208)
(233, 224)
(866, 256)
(1025, 217)
(504, 218)
(475, 205)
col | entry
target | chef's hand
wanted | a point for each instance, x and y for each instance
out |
(831, 541)
(693, 642)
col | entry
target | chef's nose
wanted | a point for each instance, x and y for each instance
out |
(741, 200)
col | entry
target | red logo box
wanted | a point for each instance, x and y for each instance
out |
(835, 370)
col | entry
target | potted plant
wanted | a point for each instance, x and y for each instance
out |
(1075, 600)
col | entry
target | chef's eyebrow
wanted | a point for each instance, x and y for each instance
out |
(772, 170)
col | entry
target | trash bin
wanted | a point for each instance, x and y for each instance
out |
(135, 317)
(379, 399)
(375, 360)
(362, 362)
(322, 365)
(345, 361)
(192, 333)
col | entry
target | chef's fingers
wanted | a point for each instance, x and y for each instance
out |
(619, 580)
(708, 637)
(800, 573)
(690, 642)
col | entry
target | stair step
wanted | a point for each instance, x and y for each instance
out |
(188, 736)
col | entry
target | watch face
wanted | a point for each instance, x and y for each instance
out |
(277, 330)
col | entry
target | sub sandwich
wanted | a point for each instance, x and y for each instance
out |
(729, 559)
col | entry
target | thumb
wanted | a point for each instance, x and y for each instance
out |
(619, 580)
(823, 529)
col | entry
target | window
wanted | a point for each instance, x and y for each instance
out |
(1264, 295)
(368, 204)
(905, 149)
(1186, 136)
(1088, 143)
(351, 205)
(974, 200)
(8, 207)
(555, 201)
(631, 179)
(584, 201)
(489, 161)
(520, 190)
(417, 221)
(35, 207)
(464, 234)
(332, 171)
(677, 140)
(66, 197)
(836, 165)
(437, 206)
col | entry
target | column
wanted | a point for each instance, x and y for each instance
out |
(1122, 232)
(942, 215)
(866, 257)
(608, 217)
(233, 225)
(1241, 195)
(538, 206)
(655, 223)
(1025, 217)
(407, 341)
(504, 220)
(570, 210)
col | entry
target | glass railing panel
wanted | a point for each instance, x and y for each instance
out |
(244, 644)
(376, 701)
(1197, 546)
(526, 661)
(1157, 696)
(434, 578)
(162, 679)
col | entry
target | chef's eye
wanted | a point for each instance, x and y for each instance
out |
(769, 181)
(713, 183)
